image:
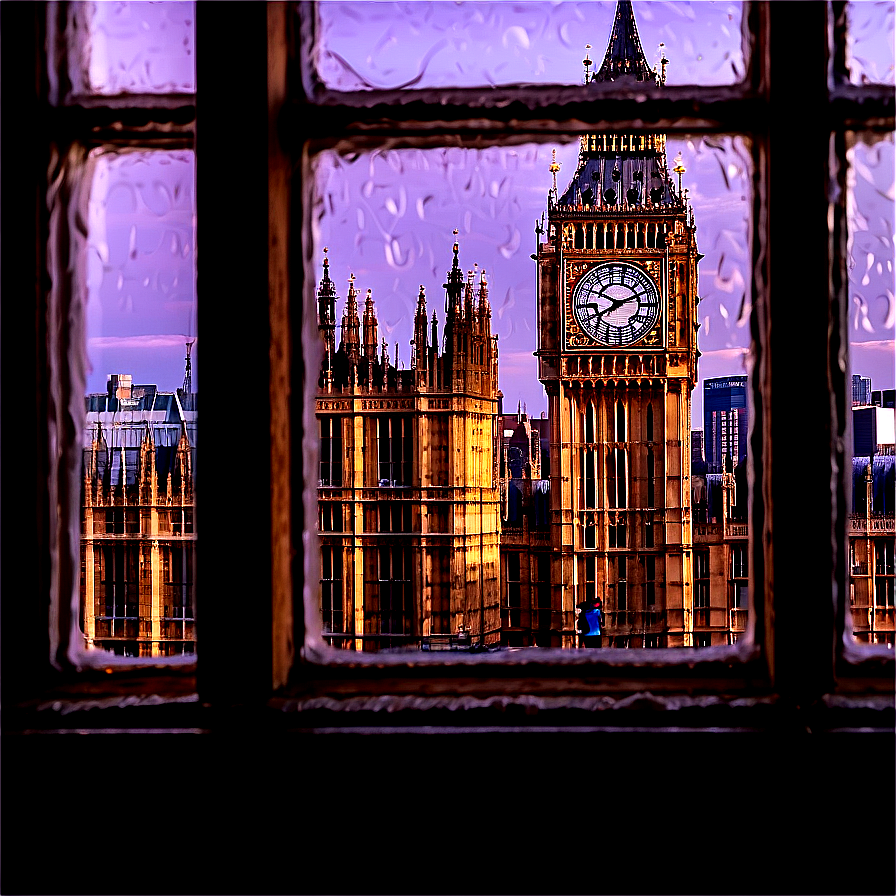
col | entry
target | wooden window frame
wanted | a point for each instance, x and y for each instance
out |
(799, 657)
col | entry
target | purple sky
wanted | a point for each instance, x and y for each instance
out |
(388, 217)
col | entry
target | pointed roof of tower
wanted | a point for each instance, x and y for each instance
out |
(326, 288)
(625, 55)
(454, 286)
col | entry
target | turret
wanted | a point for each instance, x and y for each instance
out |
(483, 308)
(419, 360)
(148, 484)
(326, 308)
(370, 328)
(454, 287)
(351, 337)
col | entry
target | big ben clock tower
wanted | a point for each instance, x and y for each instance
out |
(617, 301)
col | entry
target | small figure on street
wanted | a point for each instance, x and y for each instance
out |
(589, 618)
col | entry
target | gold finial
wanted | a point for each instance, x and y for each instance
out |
(679, 169)
(555, 167)
(663, 63)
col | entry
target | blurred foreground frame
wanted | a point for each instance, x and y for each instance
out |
(800, 677)
(798, 657)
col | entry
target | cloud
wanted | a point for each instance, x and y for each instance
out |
(138, 343)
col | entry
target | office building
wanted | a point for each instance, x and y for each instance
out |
(725, 421)
(861, 390)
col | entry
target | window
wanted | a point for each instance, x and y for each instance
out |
(394, 595)
(739, 581)
(514, 601)
(701, 588)
(790, 652)
(317, 119)
(330, 452)
(394, 446)
(649, 581)
(331, 589)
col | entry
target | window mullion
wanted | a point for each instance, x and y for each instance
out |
(801, 640)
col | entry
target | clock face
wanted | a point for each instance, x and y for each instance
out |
(616, 303)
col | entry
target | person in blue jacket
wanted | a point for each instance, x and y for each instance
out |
(589, 622)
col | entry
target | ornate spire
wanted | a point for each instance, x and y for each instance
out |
(624, 56)
(326, 307)
(555, 167)
(454, 287)
(370, 327)
(420, 321)
(485, 311)
(468, 296)
(351, 337)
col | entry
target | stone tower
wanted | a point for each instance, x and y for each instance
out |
(617, 323)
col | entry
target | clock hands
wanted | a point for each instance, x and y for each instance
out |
(614, 304)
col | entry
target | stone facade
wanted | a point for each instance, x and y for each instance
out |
(408, 499)
(138, 540)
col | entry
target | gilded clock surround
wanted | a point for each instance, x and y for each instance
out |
(576, 336)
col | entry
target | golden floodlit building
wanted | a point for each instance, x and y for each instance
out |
(617, 354)
(408, 495)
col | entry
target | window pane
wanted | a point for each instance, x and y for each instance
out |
(368, 46)
(389, 222)
(872, 527)
(140, 436)
(132, 47)
(869, 46)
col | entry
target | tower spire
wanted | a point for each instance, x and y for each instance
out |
(326, 307)
(625, 55)
(351, 337)
(188, 370)
(370, 328)
(454, 287)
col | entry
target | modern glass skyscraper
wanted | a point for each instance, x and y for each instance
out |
(861, 390)
(725, 420)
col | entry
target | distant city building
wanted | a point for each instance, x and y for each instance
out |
(861, 390)
(725, 421)
(137, 523)
(872, 536)
(873, 431)
(884, 398)
(528, 618)
(698, 461)
(525, 447)
(721, 555)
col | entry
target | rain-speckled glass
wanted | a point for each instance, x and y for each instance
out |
(141, 275)
(388, 218)
(871, 206)
(137, 586)
(367, 46)
(387, 222)
(132, 47)
(870, 41)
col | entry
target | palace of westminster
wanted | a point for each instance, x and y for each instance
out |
(446, 523)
